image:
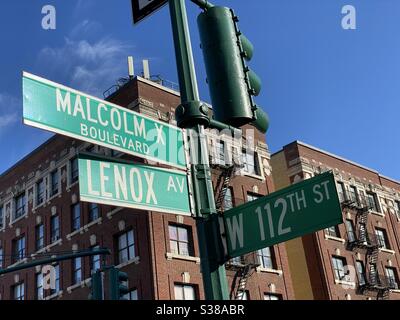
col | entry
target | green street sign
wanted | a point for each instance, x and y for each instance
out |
(54, 107)
(300, 209)
(107, 181)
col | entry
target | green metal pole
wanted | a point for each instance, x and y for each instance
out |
(214, 276)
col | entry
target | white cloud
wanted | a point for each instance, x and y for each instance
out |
(86, 27)
(88, 66)
(10, 110)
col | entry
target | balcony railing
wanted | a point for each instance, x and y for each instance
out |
(380, 281)
(366, 239)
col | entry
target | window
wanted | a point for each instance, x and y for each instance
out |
(1, 217)
(391, 275)
(39, 233)
(249, 161)
(95, 262)
(93, 211)
(74, 170)
(341, 192)
(54, 182)
(338, 268)
(270, 296)
(39, 286)
(77, 270)
(126, 247)
(57, 280)
(179, 240)
(19, 249)
(20, 206)
(184, 292)
(266, 258)
(381, 236)
(252, 197)
(40, 192)
(131, 295)
(333, 231)
(360, 272)
(19, 291)
(353, 194)
(55, 228)
(1, 258)
(363, 232)
(237, 260)
(220, 152)
(76, 216)
(371, 201)
(228, 200)
(397, 208)
(351, 237)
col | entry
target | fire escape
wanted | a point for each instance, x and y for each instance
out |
(372, 282)
(243, 267)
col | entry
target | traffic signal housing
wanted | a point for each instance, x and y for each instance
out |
(232, 84)
(118, 287)
(96, 286)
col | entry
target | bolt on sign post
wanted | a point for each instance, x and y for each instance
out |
(117, 183)
(302, 208)
(54, 107)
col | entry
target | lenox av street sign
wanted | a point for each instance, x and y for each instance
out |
(57, 108)
(117, 183)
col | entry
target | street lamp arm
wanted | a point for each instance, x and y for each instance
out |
(204, 4)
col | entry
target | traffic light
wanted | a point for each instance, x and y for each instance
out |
(118, 287)
(231, 83)
(96, 286)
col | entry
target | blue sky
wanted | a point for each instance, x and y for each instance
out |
(336, 89)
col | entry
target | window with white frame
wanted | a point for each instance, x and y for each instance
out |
(39, 235)
(341, 191)
(54, 183)
(382, 238)
(351, 236)
(77, 270)
(179, 240)
(353, 195)
(126, 247)
(57, 280)
(266, 258)
(1, 258)
(93, 211)
(372, 201)
(391, 276)
(184, 292)
(40, 192)
(39, 286)
(55, 233)
(360, 272)
(252, 196)
(74, 173)
(2, 217)
(95, 261)
(228, 199)
(19, 291)
(333, 231)
(249, 161)
(339, 268)
(19, 249)
(76, 216)
(20, 206)
(397, 209)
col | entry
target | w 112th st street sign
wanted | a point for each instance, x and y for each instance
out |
(303, 208)
(143, 8)
(54, 107)
(106, 181)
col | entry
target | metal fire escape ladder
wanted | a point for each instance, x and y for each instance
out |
(374, 281)
(245, 274)
(222, 186)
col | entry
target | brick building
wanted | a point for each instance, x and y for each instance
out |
(358, 259)
(41, 215)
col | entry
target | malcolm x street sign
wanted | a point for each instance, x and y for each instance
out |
(118, 183)
(302, 208)
(54, 107)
